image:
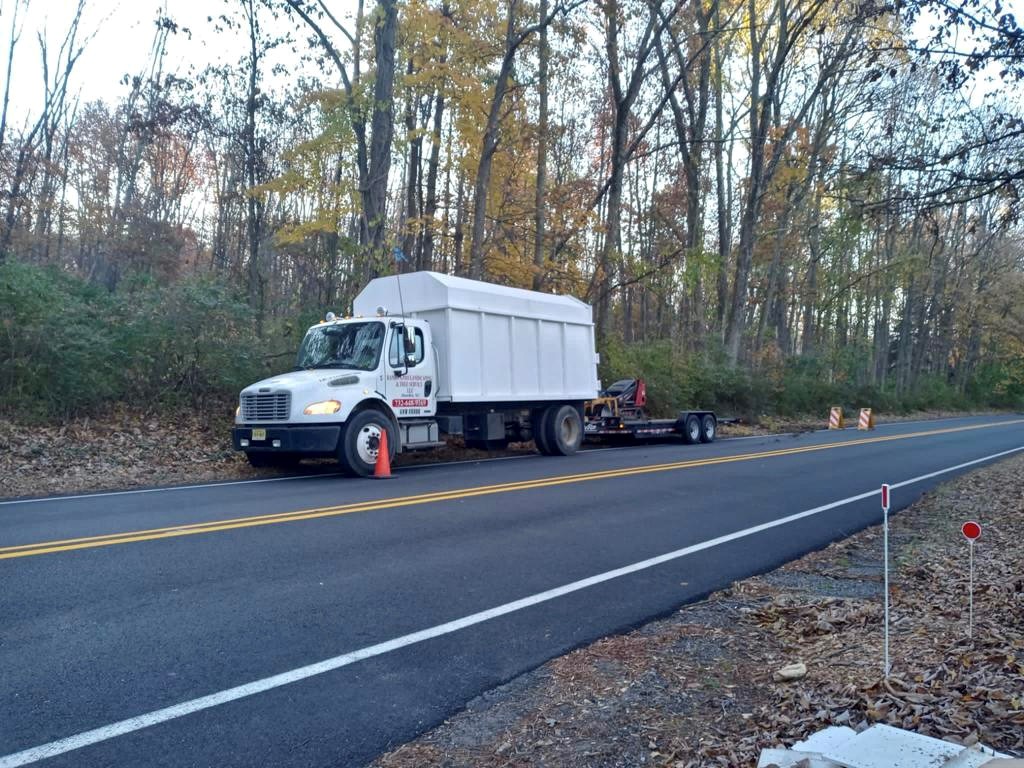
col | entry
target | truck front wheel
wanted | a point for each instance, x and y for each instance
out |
(564, 430)
(360, 442)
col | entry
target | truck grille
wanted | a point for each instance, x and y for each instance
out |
(273, 406)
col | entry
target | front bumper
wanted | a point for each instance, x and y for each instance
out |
(312, 440)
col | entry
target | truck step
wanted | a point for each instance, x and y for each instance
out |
(423, 446)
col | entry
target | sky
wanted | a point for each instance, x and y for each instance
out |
(122, 35)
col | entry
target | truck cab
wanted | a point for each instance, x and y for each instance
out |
(354, 378)
(490, 362)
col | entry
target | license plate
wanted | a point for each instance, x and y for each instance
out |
(259, 434)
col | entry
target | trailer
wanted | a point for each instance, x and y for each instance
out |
(619, 413)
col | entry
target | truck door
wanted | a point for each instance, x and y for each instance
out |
(411, 373)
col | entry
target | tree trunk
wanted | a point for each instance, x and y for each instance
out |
(539, 200)
(254, 205)
(426, 258)
(490, 145)
(412, 213)
(381, 132)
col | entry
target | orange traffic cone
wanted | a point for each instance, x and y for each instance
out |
(382, 469)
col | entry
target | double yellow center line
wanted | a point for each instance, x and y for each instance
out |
(89, 542)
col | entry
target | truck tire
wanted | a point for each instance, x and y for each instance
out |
(267, 460)
(708, 428)
(360, 441)
(564, 430)
(691, 430)
(538, 425)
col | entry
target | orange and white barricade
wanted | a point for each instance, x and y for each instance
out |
(866, 420)
(835, 418)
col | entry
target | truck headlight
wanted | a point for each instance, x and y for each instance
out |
(238, 410)
(323, 408)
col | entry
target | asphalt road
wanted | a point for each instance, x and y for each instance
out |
(320, 621)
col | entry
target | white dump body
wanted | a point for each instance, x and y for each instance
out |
(494, 343)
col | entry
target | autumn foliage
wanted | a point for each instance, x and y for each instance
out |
(771, 205)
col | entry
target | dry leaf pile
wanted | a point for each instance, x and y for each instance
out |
(128, 449)
(124, 449)
(697, 689)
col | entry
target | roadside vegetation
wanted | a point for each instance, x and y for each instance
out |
(771, 207)
(73, 349)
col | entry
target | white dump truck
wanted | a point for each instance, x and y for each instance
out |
(427, 354)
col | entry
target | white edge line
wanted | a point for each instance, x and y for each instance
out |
(139, 722)
(128, 491)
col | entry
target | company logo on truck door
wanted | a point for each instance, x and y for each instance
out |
(410, 402)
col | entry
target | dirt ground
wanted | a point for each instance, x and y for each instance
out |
(697, 689)
(129, 449)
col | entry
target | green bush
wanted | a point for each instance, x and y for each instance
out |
(70, 348)
(59, 344)
(186, 342)
(794, 387)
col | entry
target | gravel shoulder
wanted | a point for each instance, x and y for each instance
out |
(698, 688)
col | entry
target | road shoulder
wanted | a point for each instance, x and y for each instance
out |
(698, 688)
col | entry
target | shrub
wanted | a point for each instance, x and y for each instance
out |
(70, 348)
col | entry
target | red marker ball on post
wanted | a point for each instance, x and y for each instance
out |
(971, 530)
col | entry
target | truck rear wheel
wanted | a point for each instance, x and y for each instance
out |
(360, 442)
(538, 425)
(691, 430)
(708, 428)
(564, 430)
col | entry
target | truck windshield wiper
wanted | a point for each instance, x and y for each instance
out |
(314, 366)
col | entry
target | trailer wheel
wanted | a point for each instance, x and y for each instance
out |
(360, 442)
(538, 425)
(564, 430)
(708, 428)
(691, 430)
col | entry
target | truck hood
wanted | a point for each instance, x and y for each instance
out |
(302, 379)
(312, 386)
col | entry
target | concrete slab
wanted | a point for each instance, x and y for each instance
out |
(788, 758)
(970, 757)
(826, 739)
(882, 746)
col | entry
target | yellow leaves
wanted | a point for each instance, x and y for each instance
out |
(295, 234)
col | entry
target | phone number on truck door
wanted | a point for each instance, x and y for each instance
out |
(411, 402)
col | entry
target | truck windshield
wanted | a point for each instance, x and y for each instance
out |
(346, 345)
